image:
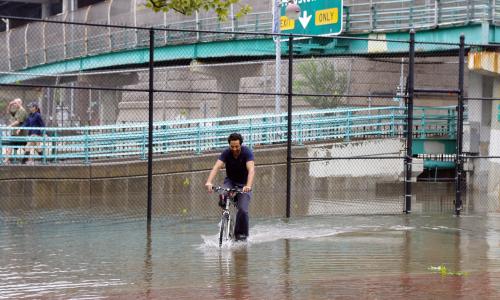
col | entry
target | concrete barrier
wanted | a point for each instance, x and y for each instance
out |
(178, 187)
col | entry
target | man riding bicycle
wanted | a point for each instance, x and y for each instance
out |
(240, 172)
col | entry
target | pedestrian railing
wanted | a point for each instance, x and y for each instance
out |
(130, 141)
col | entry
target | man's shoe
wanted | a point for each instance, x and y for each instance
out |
(240, 238)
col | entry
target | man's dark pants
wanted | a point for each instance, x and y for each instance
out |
(242, 220)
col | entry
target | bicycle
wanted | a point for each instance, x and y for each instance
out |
(228, 217)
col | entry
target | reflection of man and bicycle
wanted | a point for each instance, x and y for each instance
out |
(237, 188)
(233, 275)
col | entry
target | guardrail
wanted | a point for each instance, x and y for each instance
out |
(98, 143)
(41, 43)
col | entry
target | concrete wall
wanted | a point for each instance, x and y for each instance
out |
(178, 189)
(362, 167)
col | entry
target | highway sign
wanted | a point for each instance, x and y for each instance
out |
(317, 17)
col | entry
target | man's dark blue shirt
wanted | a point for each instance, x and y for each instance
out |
(236, 168)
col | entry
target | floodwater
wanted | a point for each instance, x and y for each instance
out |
(345, 257)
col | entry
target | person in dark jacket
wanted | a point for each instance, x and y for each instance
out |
(33, 121)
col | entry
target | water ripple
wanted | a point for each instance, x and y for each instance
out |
(319, 257)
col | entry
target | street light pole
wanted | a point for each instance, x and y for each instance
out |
(292, 12)
(277, 42)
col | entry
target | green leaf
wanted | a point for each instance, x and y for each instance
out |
(188, 7)
(443, 271)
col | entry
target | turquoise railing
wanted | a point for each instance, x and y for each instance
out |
(97, 143)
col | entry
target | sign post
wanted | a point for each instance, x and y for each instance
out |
(277, 43)
(317, 17)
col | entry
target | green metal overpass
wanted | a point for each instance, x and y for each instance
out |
(35, 51)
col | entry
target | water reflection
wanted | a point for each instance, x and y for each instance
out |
(406, 255)
(287, 286)
(148, 264)
(322, 258)
(233, 274)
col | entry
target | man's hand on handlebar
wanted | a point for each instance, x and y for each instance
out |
(209, 187)
(246, 189)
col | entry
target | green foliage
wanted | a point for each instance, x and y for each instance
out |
(321, 77)
(443, 271)
(3, 110)
(3, 105)
(188, 7)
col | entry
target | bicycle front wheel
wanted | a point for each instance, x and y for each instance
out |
(224, 227)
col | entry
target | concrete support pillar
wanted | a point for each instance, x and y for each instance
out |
(108, 106)
(485, 177)
(228, 102)
(46, 10)
(476, 142)
(486, 112)
(494, 150)
(69, 5)
(480, 86)
(228, 80)
(63, 108)
(108, 100)
(484, 68)
(474, 111)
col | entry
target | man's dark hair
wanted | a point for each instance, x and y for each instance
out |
(235, 137)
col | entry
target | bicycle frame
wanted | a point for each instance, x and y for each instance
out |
(228, 218)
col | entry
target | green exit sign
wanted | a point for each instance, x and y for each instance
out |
(317, 17)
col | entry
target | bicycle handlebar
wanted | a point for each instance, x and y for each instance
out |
(221, 190)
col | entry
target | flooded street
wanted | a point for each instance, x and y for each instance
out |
(371, 257)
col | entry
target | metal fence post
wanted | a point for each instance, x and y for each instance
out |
(43, 147)
(393, 122)
(44, 43)
(1, 145)
(347, 18)
(372, 16)
(409, 126)
(143, 144)
(87, 147)
(347, 134)
(198, 138)
(26, 52)
(460, 129)
(9, 55)
(438, 12)
(150, 123)
(493, 11)
(289, 128)
(250, 134)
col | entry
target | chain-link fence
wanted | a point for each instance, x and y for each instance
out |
(338, 125)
